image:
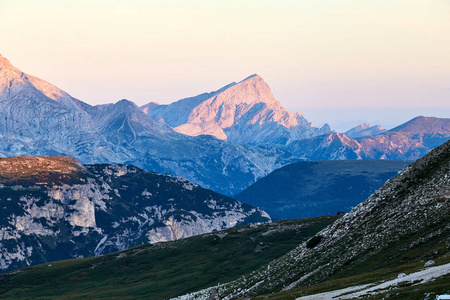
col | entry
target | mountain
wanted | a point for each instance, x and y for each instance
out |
(37, 118)
(408, 141)
(153, 145)
(333, 146)
(364, 129)
(163, 270)
(241, 113)
(317, 188)
(54, 208)
(393, 233)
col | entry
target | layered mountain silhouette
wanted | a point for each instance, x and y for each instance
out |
(37, 118)
(408, 141)
(223, 140)
(244, 113)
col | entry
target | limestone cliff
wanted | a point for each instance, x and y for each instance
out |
(54, 208)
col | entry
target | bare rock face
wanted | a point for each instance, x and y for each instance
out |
(37, 118)
(54, 208)
(243, 113)
(333, 146)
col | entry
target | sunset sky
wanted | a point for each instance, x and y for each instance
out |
(322, 58)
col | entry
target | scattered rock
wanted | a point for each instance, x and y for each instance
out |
(214, 295)
(429, 263)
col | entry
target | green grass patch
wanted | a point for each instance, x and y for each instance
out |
(163, 270)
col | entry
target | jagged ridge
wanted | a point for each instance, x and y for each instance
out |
(243, 113)
(37, 118)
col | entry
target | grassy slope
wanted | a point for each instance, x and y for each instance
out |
(163, 270)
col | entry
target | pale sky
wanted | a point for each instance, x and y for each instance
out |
(314, 54)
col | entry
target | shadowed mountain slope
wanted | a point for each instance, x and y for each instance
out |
(318, 188)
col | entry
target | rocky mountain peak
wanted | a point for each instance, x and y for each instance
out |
(363, 126)
(13, 79)
(149, 107)
(10, 76)
(126, 104)
(243, 113)
(252, 89)
(364, 129)
(4, 63)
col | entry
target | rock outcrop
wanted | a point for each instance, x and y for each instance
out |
(54, 208)
(242, 113)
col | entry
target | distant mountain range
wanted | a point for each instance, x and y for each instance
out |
(54, 208)
(364, 129)
(240, 133)
(316, 188)
(408, 141)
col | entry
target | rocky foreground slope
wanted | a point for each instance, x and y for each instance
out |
(54, 208)
(407, 220)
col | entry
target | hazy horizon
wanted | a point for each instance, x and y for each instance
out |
(318, 57)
